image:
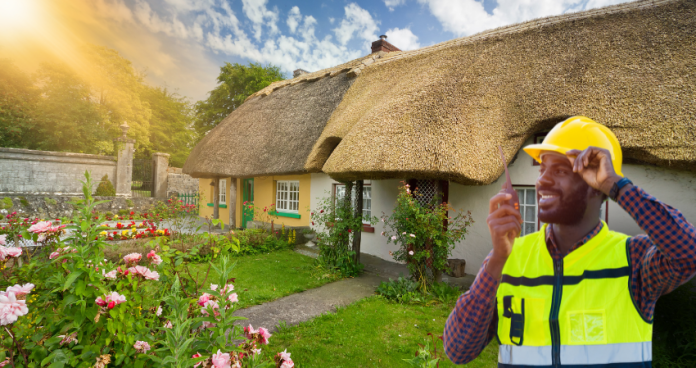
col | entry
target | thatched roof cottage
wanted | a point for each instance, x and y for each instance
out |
(437, 115)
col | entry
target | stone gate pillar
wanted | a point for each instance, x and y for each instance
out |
(124, 163)
(160, 163)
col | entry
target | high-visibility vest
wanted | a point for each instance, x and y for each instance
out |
(574, 312)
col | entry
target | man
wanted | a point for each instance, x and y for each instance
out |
(573, 294)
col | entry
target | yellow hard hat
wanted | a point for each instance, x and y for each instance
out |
(578, 133)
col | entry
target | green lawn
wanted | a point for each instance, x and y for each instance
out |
(265, 277)
(370, 333)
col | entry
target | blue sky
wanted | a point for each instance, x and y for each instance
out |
(182, 43)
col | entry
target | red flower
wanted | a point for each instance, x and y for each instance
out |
(350, 231)
(111, 305)
(312, 223)
(132, 213)
(322, 211)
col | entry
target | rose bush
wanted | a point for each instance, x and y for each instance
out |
(67, 306)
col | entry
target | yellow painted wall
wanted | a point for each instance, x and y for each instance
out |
(264, 195)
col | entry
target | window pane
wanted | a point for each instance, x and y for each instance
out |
(520, 194)
(531, 194)
(529, 228)
(530, 214)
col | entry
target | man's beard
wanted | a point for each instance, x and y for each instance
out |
(570, 211)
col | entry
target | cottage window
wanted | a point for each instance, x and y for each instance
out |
(287, 196)
(223, 191)
(340, 193)
(528, 209)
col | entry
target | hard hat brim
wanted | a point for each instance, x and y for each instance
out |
(535, 150)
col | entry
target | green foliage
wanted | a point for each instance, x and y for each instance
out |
(674, 334)
(50, 201)
(129, 203)
(445, 293)
(336, 223)
(123, 211)
(23, 201)
(18, 98)
(424, 243)
(400, 290)
(426, 357)
(105, 188)
(236, 82)
(6, 203)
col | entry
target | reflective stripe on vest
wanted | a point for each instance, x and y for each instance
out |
(636, 352)
(572, 312)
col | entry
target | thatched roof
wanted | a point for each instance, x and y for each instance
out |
(441, 111)
(271, 134)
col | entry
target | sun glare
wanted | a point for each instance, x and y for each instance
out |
(17, 14)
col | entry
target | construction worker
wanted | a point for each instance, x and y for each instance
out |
(574, 293)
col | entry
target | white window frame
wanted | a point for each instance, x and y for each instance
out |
(524, 205)
(286, 197)
(366, 198)
(222, 188)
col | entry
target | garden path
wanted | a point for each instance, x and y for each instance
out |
(306, 305)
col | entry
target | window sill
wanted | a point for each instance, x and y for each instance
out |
(220, 205)
(286, 214)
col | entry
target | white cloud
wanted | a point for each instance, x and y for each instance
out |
(467, 17)
(357, 21)
(332, 20)
(404, 39)
(114, 9)
(294, 18)
(391, 4)
(260, 16)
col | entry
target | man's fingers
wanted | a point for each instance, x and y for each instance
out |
(504, 211)
(503, 226)
(498, 199)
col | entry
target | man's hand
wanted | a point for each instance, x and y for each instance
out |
(595, 167)
(505, 224)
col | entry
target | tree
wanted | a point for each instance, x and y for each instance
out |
(171, 124)
(236, 82)
(18, 98)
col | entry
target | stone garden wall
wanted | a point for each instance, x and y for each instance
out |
(51, 206)
(53, 173)
(181, 183)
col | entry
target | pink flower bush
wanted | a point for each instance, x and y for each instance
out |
(233, 298)
(9, 252)
(284, 357)
(141, 346)
(132, 259)
(221, 360)
(203, 299)
(11, 308)
(5, 362)
(144, 272)
(40, 227)
(110, 300)
(111, 275)
(20, 291)
(261, 335)
(3, 239)
(210, 305)
(197, 355)
(154, 258)
(168, 324)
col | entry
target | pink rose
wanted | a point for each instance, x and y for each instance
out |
(265, 335)
(393, 237)
(151, 275)
(20, 291)
(11, 308)
(54, 255)
(203, 299)
(111, 275)
(40, 227)
(100, 302)
(3, 239)
(221, 360)
(154, 258)
(233, 298)
(412, 235)
(132, 258)
(141, 346)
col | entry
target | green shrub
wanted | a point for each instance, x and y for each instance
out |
(445, 293)
(122, 212)
(50, 201)
(6, 203)
(401, 290)
(23, 201)
(129, 203)
(105, 188)
(675, 329)
(109, 214)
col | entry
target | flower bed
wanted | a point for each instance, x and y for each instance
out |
(140, 311)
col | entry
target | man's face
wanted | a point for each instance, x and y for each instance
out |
(562, 194)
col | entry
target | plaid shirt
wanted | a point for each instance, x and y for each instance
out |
(660, 261)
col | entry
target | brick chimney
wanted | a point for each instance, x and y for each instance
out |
(383, 45)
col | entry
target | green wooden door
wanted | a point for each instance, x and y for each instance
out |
(248, 197)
